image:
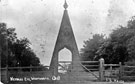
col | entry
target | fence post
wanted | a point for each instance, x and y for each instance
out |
(101, 69)
(120, 70)
(7, 74)
(30, 68)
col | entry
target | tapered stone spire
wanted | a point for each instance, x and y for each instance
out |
(65, 39)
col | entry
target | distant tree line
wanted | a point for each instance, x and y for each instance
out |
(118, 47)
(15, 52)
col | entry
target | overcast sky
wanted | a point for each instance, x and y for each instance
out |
(39, 20)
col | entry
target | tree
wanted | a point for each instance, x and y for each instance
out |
(3, 45)
(14, 51)
(91, 46)
(112, 52)
(24, 55)
(120, 46)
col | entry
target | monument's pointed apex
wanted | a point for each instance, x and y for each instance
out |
(65, 5)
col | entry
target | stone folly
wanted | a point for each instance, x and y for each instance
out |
(65, 39)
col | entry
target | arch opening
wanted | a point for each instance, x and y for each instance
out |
(64, 59)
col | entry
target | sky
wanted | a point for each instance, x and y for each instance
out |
(39, 20)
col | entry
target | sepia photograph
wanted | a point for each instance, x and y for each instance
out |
(67, 41)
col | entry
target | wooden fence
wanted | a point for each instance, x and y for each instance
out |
(117, 71)
(84, 70)
(105, 71)
(9, 73)
(127, 72)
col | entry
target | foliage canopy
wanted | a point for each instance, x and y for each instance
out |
(15, 52)
(118, 47)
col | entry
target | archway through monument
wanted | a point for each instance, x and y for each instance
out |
(65, 55)
(65, 59)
